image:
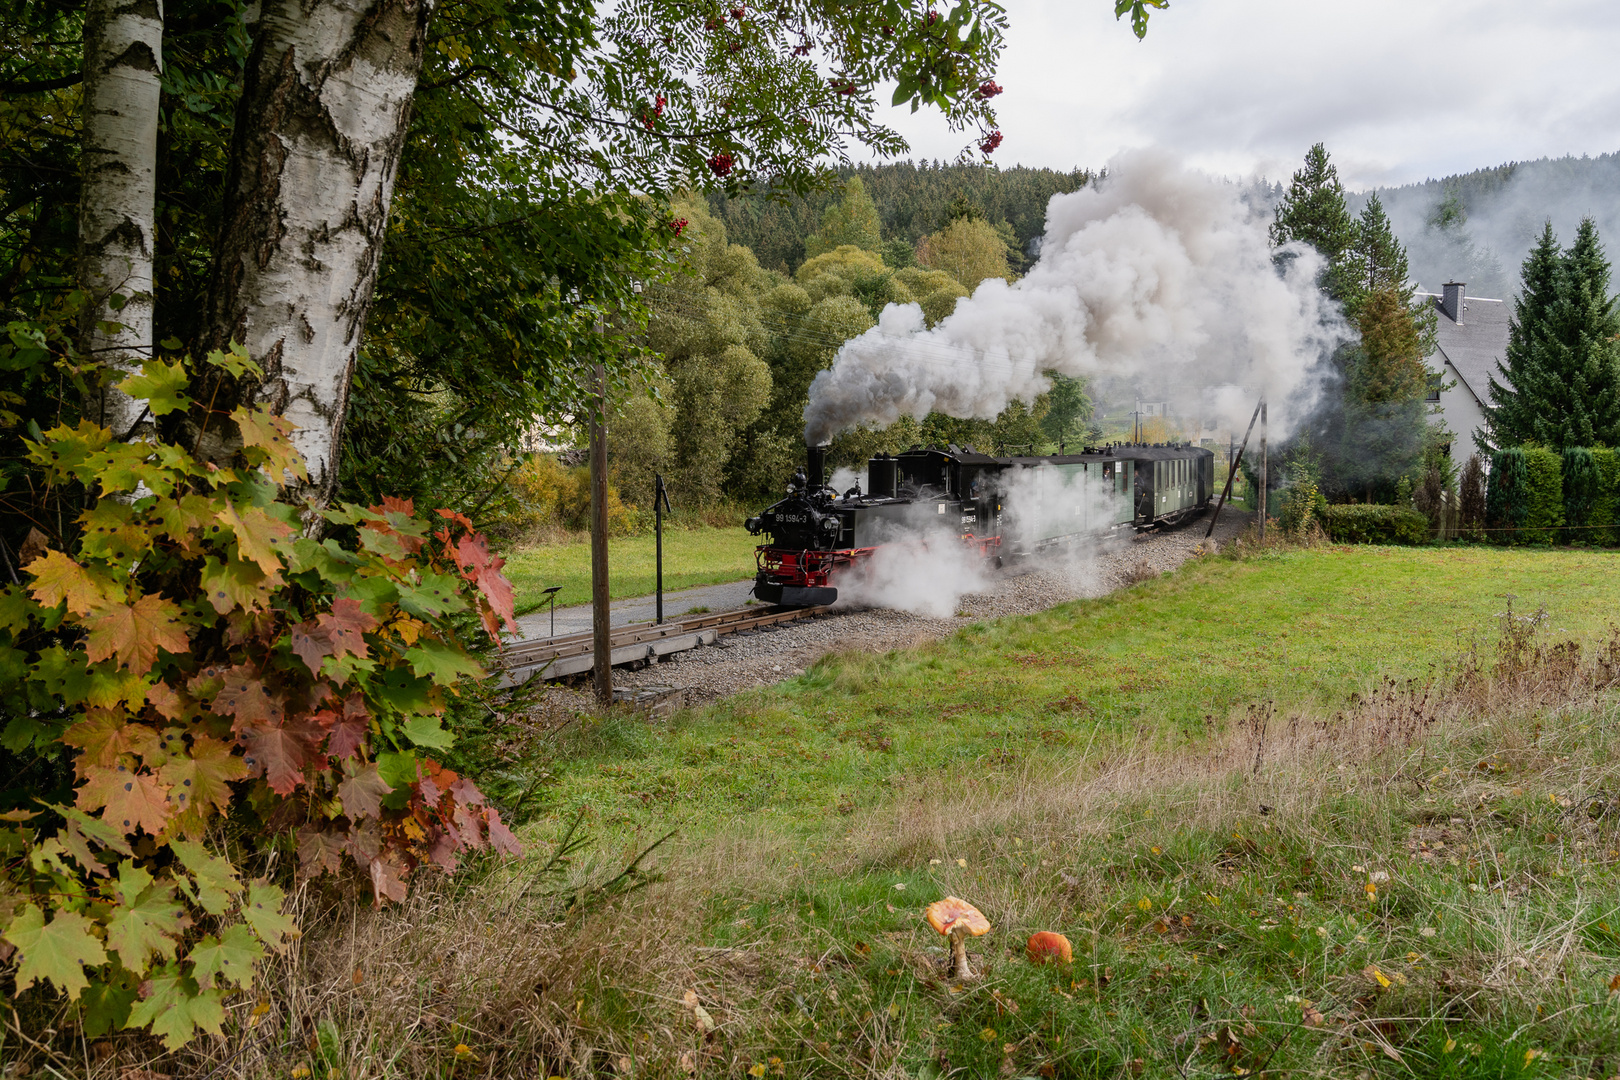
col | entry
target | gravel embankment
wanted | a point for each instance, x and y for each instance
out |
(771, 654)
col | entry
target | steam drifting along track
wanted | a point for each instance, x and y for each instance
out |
(637, 643)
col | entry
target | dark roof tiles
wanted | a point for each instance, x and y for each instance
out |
(1476, 345)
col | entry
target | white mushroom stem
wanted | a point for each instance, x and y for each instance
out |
(960, 969)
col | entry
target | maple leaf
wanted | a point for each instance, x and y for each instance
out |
(199, 778)
(168, 702)
(230, 956)
(112, 530)
(455, 517)
(58, 951)
(362, 791)
(263, 913)
(319, 852)
(162, 386)
(104, 734)
(426, 730)
(267, 435)
(215, 877)
(281, 752)
(233, 584)
(243, 698)
(58, 578)
(260, 538)
(127, 799)
(387, 881)
(443, 663)
(135, 632)
(350, 729)
(146, 920)
(484, 569)
(174, 1011)
(500, 837)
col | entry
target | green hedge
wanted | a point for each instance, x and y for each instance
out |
(1605, 513)
(1358, 523)
(1544, 512)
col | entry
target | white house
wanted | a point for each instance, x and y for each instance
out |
(1471, 339)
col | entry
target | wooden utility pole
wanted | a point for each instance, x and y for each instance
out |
(1263, 467)
(1232, 464)
(600, 641)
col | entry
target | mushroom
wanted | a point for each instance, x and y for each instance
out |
(1046, 946)
(956, 919)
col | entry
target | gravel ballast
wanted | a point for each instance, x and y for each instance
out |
(772, 654)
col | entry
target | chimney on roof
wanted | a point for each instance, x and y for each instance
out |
(1451, 300)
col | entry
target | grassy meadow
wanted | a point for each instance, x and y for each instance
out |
(704, 555)
(1307, 813)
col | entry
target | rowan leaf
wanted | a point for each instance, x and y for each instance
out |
(161, 385)
(267, 436)
(127, 800)
(263, 913)
(175, 1008)
(146, 921)
(200, 778)
(260, 538)
(59, 950)
(362, 791)
(215, 877)
(230, 956)
(443, 663)
(133, 633)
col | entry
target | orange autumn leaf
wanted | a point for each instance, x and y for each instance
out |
(135, 632)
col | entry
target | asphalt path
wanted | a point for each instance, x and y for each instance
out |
(572, 620)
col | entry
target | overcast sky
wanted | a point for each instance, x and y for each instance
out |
(1399, 90)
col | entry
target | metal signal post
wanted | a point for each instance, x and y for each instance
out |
(660, 504)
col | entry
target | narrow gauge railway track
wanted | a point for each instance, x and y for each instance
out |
(637, 643)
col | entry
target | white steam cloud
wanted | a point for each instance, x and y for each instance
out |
(1158, 275)
(919, 566)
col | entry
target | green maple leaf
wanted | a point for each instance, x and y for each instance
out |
(201, 777)
(432, 595)
(444, 664)
(235, 584)
(105, 734)
(146, 920)
(234, 360)
(266, 436)
(113, 531)
(58, 578)
(260, 538)
(215, 876)
(59, 951)
(135, 632)
(162, 385)
(106, 1007)
(263, 912)
(230, 956)
(175, 1008)
(426, 730)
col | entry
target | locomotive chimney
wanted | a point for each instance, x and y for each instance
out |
(815, 466)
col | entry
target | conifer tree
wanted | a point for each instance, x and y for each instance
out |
(1313, 212)
(1562, 352)
(1375, 261)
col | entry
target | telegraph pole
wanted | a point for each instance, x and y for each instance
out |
(600, 636)
(1263, 467)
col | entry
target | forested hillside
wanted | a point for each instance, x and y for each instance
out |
(1478, 226)
(913, 199)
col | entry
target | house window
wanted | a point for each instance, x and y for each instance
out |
(1434, 388)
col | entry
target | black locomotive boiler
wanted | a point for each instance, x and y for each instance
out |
(1000, 507)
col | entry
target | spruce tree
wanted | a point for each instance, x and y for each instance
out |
(1375, 261)
(1313, 212)
(1563, 356)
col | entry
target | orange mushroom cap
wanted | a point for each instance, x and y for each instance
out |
(953, 914)
(1046, 945)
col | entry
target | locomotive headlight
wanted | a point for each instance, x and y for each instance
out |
(752, 525)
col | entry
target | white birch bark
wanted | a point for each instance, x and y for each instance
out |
(319, 137)
(123, 59)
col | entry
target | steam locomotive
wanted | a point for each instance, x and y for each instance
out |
(1000, 507)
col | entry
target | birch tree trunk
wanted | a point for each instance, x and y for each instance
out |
(123, 59)
(318, 139)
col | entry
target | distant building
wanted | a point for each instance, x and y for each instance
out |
(1471, 339)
